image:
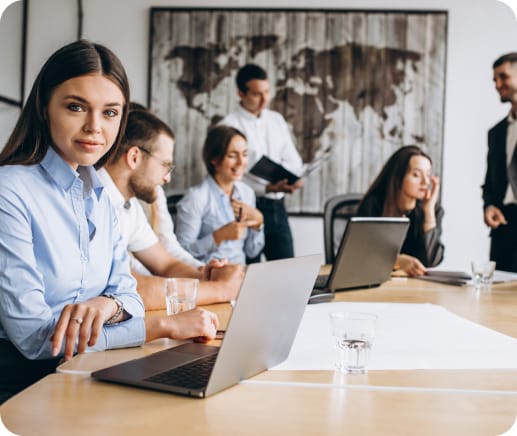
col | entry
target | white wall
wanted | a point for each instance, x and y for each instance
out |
(479, 31)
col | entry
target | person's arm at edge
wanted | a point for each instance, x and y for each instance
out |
(434, 246)
(152, 289)
(166, 233)
(161, 263)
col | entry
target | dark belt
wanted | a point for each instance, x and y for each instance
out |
(270, 200)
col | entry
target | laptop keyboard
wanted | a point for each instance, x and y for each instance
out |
(193, 375)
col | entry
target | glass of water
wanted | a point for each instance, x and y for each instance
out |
(482, 274)
(180, 294)
(354, 333)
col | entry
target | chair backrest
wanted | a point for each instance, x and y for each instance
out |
(337, 211)
(172, 201)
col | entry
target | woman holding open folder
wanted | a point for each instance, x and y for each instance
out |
(218, 218)
(406, 187)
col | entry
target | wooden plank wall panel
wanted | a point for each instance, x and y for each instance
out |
(361, 83)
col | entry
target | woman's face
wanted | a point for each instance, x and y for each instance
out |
(234, 162)
(84, 115)
(415, 183)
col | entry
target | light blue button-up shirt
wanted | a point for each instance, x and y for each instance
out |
(60, 244)
(206, 208)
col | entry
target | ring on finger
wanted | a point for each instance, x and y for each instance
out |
(77, 320)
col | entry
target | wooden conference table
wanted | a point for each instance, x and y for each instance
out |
(423, 402)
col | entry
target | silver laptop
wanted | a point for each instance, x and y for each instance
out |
(366, 255)
(261, 330)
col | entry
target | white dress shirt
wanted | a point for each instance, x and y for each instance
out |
(165, 232)
(511, 140)
(134, 227)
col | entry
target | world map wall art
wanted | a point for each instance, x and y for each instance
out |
(353, 86)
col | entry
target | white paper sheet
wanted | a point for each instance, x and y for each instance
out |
(504, 276)
(408, 336)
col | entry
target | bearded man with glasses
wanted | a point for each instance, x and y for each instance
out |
(137, 171)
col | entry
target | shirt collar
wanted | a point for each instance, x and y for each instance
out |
(65, 176)
(217, 189)
(248, 115)
(91, 180)
(511, 117)
(117, 199)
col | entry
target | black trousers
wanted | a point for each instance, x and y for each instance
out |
(277, 233)
(17, 372)
(503, 247)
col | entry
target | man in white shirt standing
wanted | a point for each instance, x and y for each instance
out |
(268, 134)
(142, 162)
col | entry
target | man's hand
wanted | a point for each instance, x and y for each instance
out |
(230, 279)
(494, 217)
(284, 186)
(196, 323)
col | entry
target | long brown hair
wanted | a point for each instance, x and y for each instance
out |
(30, 139)
(388, 184)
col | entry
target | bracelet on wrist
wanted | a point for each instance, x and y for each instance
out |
(118, 313)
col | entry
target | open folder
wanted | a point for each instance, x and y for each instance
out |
(273, 172)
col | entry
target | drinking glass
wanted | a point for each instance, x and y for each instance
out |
(482, 274)
(180, 294)
(354, 333)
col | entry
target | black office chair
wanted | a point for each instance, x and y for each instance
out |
(172, 201)
(337, 211)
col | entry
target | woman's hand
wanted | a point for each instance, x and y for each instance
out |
(232, 231)
(429, 204)
(431, 197)
(248, 213)
(196, 323)
(84, 321)
(411, 265)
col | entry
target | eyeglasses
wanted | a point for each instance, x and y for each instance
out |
(168, 166)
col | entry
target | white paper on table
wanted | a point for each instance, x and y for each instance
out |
(408, 336)
(503, 276)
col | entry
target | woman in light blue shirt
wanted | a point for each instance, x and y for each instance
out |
(218, 219)
(65, 285)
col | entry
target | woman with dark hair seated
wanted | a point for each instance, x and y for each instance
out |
(406, 187)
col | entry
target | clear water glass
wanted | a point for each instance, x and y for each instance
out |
(180, 294)
(353, 333)
(482, 274)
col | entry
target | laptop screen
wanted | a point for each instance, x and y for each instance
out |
(368, 250)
